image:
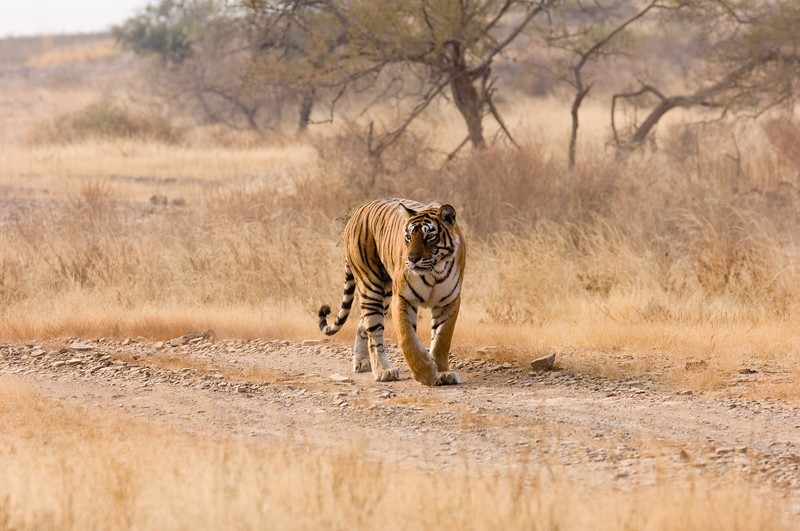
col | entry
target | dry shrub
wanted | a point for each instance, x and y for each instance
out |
(104, 119)
(355, 158)
(784, 136)
(718, 250)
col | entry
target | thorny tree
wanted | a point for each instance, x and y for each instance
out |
(748, 62)
(444, 44)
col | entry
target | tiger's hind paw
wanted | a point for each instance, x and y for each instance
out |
(361, 365)
(387, 375)
(448, 378)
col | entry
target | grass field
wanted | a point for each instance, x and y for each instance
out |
(685, 254)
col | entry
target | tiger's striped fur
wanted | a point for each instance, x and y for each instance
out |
(404, 255)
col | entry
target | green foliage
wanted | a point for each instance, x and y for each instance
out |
(166, 29)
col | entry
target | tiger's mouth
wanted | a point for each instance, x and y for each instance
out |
(421, 266)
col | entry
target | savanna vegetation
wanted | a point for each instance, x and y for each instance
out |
(626, 173)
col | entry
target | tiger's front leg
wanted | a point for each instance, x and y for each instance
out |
(443, 323)
(419, 361)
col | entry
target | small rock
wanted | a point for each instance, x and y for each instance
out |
(340, 378)
(748, 371)
(695, 366)
(159, 344)
(178, 341)
(313, 342)
(58, 363)
(38, 352)
(687, 392)
(126, 341)
(545, 363)
(79, 346)
(75, 361)
(684, 455)
(158, 199)
(489, 350)
(724, 450)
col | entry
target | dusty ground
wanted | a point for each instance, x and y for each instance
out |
(614, 434)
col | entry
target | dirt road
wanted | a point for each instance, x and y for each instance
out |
(604, 432)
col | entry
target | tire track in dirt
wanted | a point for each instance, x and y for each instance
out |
(606, 432)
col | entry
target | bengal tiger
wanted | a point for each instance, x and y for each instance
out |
(404, 255)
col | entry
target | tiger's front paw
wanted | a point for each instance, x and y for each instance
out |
(362, 365)
(448, 378)
(387, 375)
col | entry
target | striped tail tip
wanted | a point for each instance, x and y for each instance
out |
(323, 317)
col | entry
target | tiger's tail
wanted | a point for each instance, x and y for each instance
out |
(344, 311)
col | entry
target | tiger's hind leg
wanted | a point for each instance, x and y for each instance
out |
(372, 323)
(361, 350)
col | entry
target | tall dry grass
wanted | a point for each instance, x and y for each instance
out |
(64, 467)
(88, 50)
(699, 236)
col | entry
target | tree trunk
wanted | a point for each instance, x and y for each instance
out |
(573, 136)
(306, 104)
(468, 101)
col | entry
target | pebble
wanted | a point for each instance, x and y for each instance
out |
(340, 378)
(79, 346)
(314, 342)
(695, 366)
(545, 363)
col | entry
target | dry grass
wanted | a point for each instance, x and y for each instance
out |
(687, 253)
(705, 273)
(77, 53)
(67, 468)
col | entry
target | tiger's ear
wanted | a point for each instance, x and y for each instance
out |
(408, 210)
(447, 213)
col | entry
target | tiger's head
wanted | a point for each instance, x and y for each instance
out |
(429, 237)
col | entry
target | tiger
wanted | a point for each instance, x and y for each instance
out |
(401, 254)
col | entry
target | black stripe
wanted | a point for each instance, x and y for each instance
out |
(366, 297)
(447, 273)
(451, 292)
(420, 299)
(346, 305)
(374, 328)
(350, 290)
